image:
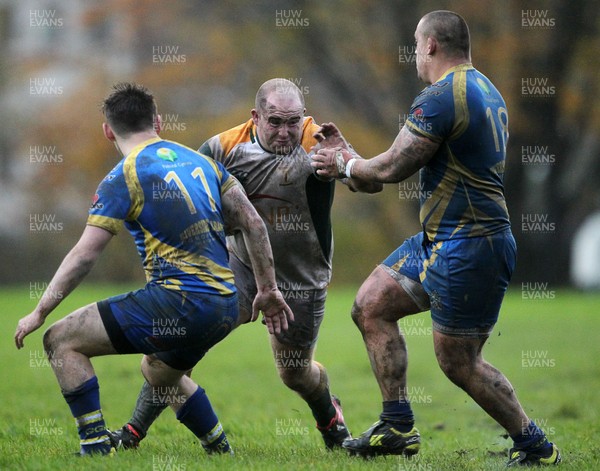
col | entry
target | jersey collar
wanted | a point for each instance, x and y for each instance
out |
(254, 137)
(456, 68)
(144, 144)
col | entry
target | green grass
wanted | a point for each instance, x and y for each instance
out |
(559, 389)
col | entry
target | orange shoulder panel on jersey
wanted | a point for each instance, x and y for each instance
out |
(308, 129)
(234, 136)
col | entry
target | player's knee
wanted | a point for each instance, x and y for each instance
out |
(294, 378)
(357, 314)
(158, 373)
(455, 371)
(51, 339)
(151, 370)
(366, 317)
(447, 368)
(444, 364)
(369, 305)
(48, 339)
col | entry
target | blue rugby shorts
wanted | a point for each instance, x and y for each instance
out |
(178, 326)
(465, 279)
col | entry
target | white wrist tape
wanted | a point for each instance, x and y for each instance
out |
(349, 166)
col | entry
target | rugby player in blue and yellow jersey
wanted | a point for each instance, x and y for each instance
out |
(176, 203)
(460, 265)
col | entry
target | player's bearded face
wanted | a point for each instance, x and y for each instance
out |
(279, 127)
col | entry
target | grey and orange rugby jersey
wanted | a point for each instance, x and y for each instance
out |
(294, 204)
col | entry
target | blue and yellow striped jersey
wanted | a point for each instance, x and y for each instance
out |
(461, 187)
(169, 197)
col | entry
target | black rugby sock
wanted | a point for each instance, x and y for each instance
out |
(147, 409)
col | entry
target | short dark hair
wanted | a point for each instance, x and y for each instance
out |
(450, 30)
(130, 108)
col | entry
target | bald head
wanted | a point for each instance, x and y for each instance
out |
(450, 31)
(282, 87)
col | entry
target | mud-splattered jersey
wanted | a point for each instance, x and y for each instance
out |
(294, 204)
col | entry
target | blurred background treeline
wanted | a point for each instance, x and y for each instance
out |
(353, 60)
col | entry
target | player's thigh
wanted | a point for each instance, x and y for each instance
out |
(384, 297)
(82, 331)
(393, 290)
(308, 307)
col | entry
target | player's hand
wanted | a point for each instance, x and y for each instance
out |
(276, 312)
(331, 163)
(27, 325)
(329, 137)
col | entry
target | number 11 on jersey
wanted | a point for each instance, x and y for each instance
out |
(196, 173)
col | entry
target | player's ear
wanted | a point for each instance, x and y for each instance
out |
(254, 116)
(108, 132)
(431, 45)
(157, 123)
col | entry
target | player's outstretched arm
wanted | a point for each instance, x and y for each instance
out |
(75, 266)
(408, 153)
(241, 215)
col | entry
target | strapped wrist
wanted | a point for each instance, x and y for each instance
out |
(349, 166)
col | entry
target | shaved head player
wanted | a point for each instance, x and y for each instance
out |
(459, 266)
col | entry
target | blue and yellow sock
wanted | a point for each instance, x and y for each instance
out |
(531, 437)
(399, 414)
(198, 415)
(84, 403)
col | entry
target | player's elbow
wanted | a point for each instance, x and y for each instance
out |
(85, 259)
(252, 224)
(397, 173)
